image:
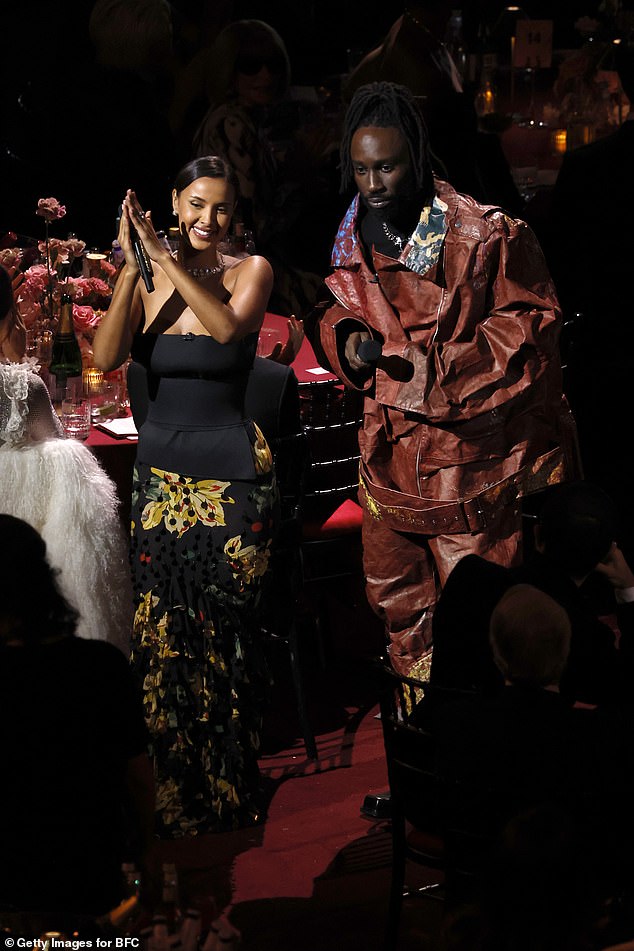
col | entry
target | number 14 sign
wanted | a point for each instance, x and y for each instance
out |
(533, 44)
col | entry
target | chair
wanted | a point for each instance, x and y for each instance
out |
(331, 530)
(280, 602)
(415, 791)
(424, 829)
(331, 416)
(272, 399)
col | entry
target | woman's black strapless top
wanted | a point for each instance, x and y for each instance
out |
(195, 423)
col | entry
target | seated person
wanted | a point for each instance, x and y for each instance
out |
(12, 329)
(526, 747)
(77, 796)
(574, 538)
(57, 486)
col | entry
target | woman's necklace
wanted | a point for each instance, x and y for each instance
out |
(394, 238)
(202, 273)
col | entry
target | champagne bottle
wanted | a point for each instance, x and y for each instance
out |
(66, 365)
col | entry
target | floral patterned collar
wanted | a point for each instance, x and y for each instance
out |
(421, 251)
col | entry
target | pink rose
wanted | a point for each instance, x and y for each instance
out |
(36, 279)
(79, 288)
(58, 251)
(108, 269)
(10, 257)
(30, 311)
(50, 209)
(84, 317)
(99, 287)
(74, 247)
(66, 287)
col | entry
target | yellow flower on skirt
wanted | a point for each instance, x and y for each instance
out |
(249, 562)
(262, 456)
(180, 503)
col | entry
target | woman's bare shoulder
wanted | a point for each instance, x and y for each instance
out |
(254, 266)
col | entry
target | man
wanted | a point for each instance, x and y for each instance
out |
(464, 410)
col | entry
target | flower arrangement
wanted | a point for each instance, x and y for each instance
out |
(48, 273)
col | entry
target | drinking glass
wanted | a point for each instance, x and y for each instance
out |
(75, 416)
(105, 403)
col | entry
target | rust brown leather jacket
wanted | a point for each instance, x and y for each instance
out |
(465, 410)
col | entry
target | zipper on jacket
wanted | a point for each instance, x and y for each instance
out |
(440, 303)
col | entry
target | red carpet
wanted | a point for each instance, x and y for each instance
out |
(315, 872)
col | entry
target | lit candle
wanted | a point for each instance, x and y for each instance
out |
(92, 262)
(558, 139)
(92, 379)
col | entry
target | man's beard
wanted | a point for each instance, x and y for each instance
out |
(402, 211)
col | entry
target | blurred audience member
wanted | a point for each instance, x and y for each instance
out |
(77, 791)
(254, 125)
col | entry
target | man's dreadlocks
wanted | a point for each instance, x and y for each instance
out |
(387, 105)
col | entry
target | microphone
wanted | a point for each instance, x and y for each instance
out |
(143, 262)
(370, 351)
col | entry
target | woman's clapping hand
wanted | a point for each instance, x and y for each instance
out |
(133, 214)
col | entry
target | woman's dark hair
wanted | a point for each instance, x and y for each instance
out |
(6, 293)
(207, 166)
(30, 598)
(238, 39)
(388, 105)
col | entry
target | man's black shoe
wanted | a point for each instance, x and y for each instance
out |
(377, 806)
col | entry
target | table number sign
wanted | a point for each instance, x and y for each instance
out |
(533, 45)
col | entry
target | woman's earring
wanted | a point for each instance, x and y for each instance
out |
(174, 212)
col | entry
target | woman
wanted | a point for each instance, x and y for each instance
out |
(253, 123)
(248, 74)
(203, 500)
(12, 329)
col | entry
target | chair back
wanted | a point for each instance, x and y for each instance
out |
(271, 398)
(444, 835)
(331, 417)
(415, 793)
(415, 789)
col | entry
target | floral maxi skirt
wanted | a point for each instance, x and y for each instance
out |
(200, 556)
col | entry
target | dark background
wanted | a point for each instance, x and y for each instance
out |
(71, 131)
